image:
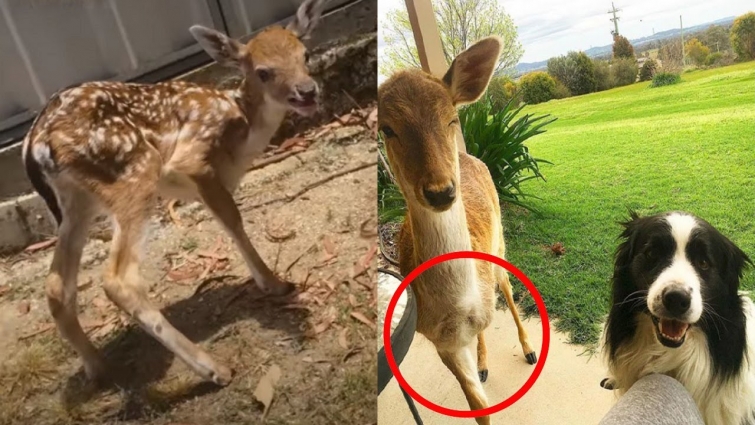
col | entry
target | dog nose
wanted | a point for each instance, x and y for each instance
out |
(307, 90)
(440, 198)
(676, 301)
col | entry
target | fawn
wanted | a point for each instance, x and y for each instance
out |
(114, 146)
(452, 205)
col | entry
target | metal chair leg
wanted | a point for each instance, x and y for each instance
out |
(412, 407)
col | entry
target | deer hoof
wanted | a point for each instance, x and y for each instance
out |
(222, 376)
(483, 375)
(531, 357)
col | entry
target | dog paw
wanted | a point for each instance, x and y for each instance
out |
(608, 383)
(483, 375)
(531, 358)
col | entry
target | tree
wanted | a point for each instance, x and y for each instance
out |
(648, 70)
(461, 23)
(670, 54)
(537, 87)
(696, 51)
(603, 77)
(622, 48)
(716, 38)
(624, 71)
(500, 90)
(575, 70)
(743, 36)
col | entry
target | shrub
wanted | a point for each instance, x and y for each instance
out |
(603, 79)
(537, 87)
(665, 79)
(501, 90)
(713, 59)
(624, 72)
(498, 139)
(743, 36)
(648, 70)
(561, 91)
(575, 70)
(696, 51)
(391, 204)
(622, 48)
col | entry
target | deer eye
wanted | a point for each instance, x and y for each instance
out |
(264, 74)
(454, 121)
(387, 131)
(306, 57)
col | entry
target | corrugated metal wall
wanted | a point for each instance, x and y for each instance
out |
(46, 45)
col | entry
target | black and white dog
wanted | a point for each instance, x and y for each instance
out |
(677, 311)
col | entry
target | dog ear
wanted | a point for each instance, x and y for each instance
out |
(736, 261)
(625, 251)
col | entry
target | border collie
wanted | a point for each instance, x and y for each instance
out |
(677, 311)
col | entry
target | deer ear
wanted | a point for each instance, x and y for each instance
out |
(223, 49)
(470, 72)
(306, 18)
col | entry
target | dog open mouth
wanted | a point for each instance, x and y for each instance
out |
(670, 332)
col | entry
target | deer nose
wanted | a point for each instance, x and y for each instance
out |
(676, 301)
(440, 198)
(307, 90)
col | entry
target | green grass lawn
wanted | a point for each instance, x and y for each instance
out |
(687, 147)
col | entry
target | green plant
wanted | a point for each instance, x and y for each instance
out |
(648, 69)
(391, 204)
(498, 139)
(696, 51)
(665, 79)
(622, 48)
(713, 58)
(537, 87)
(603, 79)
(576, 70)
(501, 90)
(624, 72)
(561, 91)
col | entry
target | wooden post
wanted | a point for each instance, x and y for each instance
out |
(429, 47)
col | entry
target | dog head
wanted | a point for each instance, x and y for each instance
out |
(678, 269)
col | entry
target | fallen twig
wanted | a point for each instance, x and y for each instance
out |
(173, 214)
(41, 330)
(273, 159)
(298, 257)
(307, 188)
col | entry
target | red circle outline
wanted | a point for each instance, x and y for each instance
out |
(543, 349)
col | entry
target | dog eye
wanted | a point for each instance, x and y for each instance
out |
(703, 265)
(387, 131)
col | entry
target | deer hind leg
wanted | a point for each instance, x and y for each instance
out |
(124, 287)
(529, 352)
(77, 209)
(461, 363)
(223, 207)
(482, 357)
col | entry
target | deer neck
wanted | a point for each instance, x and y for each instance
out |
(263, 114)
(436, 233)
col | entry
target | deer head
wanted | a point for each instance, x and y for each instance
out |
(418, 121)
(275, 60)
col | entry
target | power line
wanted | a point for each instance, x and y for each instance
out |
(615, 19)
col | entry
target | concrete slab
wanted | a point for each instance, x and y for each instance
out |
(567, 392)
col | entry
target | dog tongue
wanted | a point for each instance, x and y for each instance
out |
(673, 328)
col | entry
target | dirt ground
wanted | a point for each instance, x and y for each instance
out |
(312, 216)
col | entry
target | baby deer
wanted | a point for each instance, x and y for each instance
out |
(452, 206)
(114, 146)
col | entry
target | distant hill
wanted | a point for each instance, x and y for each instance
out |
(594, 52)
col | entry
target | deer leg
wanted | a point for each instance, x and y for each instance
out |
(529, 352)
(482, 357)
(461, 363)
(123, 287)
(221, 203)
(61, 291)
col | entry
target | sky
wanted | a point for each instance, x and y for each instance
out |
(550, 28)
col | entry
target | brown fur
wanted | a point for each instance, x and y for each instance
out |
(115, 146)
(456, 299)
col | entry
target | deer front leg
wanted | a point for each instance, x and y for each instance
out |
(482, 357)
(462, 365)
(123, 287)
(529, 352)
(223, 207)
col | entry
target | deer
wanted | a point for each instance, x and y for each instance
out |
(452, 205)
(113, 147)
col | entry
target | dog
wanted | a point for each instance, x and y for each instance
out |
(677, 310)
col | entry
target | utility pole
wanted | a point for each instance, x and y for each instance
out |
(615, 19)
(682, 28)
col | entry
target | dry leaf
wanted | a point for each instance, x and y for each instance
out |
(4, 289)
(288, 143)
(23, 307)
(362, 318)
(558, 249)
(41, 245)
(364, 263)
(324, 325)
(265, 391)
(350, 353)
(353, 300)
(343, 338)
(330, 247)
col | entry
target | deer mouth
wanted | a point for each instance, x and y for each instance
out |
(306, 106)
(670, 332)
